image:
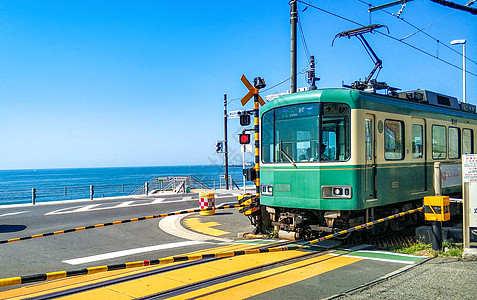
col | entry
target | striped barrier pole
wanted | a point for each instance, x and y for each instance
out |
(365, 225)
(119, 222)
(63, 274)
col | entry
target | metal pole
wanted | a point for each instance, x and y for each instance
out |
(293, 22)
(243, 168)
(436, 235)
(225, 144)
(437, 178)
(91, 192)
(436, 226)
(257, 145)
(466, 221)
(33, 196)
(463, 55)
(146, 188)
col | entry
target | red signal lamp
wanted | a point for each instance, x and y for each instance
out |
(244, 138)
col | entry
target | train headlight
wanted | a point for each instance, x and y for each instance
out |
(336, 191)
(267, 189)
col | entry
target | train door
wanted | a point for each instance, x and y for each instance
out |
(370, 157)
(418, 154)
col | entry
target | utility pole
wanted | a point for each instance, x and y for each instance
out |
(225, 145)
(293, 22)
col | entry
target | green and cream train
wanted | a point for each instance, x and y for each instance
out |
(336, 158)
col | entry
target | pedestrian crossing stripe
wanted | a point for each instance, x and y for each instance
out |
(381, 256)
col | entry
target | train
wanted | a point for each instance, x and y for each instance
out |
(331, 159)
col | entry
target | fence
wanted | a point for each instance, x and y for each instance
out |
(182, 184)
(166, 183)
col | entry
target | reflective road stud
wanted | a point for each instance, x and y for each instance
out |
(207, 201)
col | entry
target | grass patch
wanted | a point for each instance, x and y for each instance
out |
(448, 249)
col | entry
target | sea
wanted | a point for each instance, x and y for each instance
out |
(16, 186)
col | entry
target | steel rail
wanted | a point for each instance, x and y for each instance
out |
(93, 286)
(62, 274)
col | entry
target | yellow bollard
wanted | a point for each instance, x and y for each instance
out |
(207, 201)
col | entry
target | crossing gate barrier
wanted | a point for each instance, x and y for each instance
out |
(207, 201)
(436, 208)
(247, 199)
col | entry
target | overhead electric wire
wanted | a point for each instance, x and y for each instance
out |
(422, 30)
(387, 35)
(302, 37)
(457, 6)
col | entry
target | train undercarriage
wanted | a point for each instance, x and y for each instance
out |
(293, 223)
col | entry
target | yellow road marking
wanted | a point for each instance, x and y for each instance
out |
(162, 282)
(205, 228)
(262, 282)
(48, 287)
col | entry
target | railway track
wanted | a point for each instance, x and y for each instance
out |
(187, 287)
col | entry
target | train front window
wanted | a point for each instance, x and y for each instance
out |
(307, 132)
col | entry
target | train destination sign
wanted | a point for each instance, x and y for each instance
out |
(469, 167)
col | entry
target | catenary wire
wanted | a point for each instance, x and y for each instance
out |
(389, 36)
(422, 30)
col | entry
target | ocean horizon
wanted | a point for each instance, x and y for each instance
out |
(53, 184)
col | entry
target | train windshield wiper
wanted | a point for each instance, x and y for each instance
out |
(286, 155)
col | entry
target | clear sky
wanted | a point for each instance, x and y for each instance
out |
(141, 83)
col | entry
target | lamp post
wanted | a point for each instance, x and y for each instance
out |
(461, 42)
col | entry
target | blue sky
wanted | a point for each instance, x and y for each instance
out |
(123, 83)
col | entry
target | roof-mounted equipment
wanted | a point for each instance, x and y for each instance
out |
(369, 85)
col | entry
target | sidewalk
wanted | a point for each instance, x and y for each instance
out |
(437, 278)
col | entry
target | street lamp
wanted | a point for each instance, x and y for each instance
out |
(461, 42)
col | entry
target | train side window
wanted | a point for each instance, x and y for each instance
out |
(439, 142)
(467, 141)
(417, 138)
(393, 140)
(454, 142)
(368, 139)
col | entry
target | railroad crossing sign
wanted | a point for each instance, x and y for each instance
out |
(251, 91)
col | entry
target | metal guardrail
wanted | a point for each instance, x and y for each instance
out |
(72, 192)
(181, 184)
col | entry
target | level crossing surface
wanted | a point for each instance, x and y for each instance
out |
(51, 253)
(280, 275)
(261, 276)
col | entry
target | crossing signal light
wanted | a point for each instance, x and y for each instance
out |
(244, 138)
(244, 120)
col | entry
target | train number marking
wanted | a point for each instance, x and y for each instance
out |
(282, 187)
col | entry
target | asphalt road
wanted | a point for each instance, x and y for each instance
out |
(146, 240)
(57, 253)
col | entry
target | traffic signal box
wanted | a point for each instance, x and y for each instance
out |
(244, 138)
(247, 199)
(436, 208)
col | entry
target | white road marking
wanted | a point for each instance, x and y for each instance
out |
(85, 208)
(13, 213)
(187, 198)
(124, 204)
(121, 205)
(82, 260)
(172, 225)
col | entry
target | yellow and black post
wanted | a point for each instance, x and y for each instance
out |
(258, 84)
(254, 212)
